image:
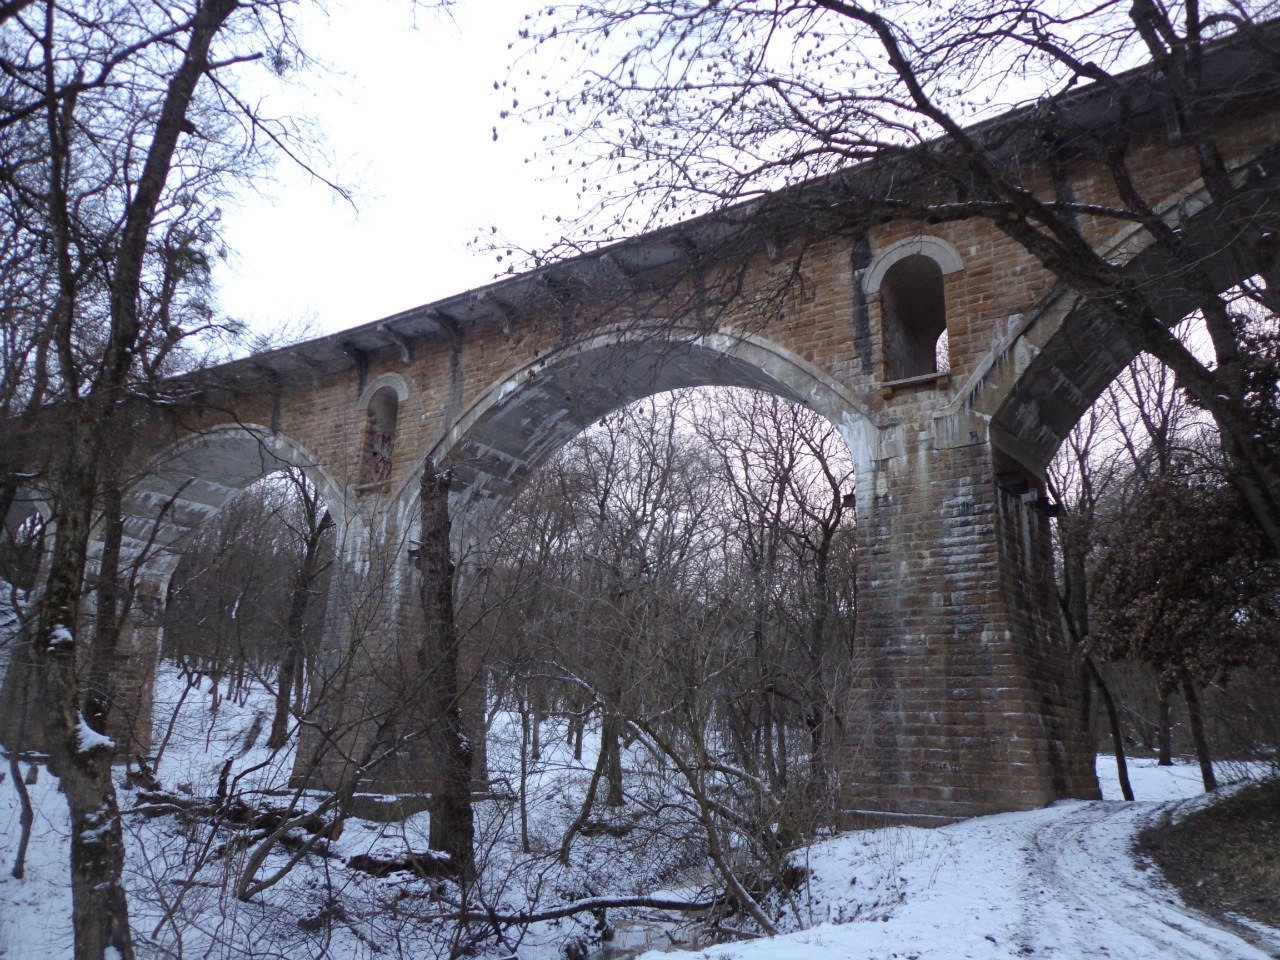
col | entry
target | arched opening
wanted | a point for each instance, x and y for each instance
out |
(168, 513)
(914, 319)
(379, 435)
(241, 625)
(193, 479)
(163, 514)
(696, 547)
(521, 421)
(633, 537)
(1041, 391)
(1038, 386)
(1163, 570)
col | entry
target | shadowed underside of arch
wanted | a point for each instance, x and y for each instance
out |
(522, 420)
(1063, 369)
(196, 477)
(180, 490)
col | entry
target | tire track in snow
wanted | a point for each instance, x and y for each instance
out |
(1087, 897)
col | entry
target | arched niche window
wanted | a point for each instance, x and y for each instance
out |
(915, 317)
(909, 276)
(382, 409)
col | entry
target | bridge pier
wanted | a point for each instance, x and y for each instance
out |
(133, 671)
(973, 704)
(366, 726)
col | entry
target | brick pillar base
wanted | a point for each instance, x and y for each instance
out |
(969, 702)
(366, 698)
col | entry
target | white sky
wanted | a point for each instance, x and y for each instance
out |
(407, 115)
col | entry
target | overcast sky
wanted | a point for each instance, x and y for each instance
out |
(407, 115)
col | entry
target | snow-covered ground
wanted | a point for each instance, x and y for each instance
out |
(1060, 883)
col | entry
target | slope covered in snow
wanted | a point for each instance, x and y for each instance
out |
(1060, 882)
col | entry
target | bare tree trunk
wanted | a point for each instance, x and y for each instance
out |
(780, 756)
(1197, 735)
(764, 736)
(289, 672)
(192, 683)
(1113, 721)
(111, 600)
(452, 825)
(300, 685)
(816, 721)
(535, 728)
(577, 725)
(611, 759)
(1165, 731)
(80, 759)
(285, 673)
(588, 801)
(27, 817)
(523, 703)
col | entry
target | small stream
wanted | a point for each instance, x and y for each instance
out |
(635, 937)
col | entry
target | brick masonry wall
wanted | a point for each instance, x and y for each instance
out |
(969, 702)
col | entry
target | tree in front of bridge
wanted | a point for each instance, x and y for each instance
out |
(121, 130)
(1133, 431)
(1164, 581)
(247, 600)
(683, 572)
(688, 106)
(1184, 585)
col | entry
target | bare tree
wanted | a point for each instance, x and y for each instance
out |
(309, 527)
(1079, 480)
(449, 750)
(1185, 586)
(124, 127)
(1139, 563)
(684, 569)
(790, 491)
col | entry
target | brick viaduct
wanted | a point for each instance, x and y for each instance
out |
(978, 703)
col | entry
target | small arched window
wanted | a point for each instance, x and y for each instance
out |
(379, 435)
(915, 318)
(909, 277)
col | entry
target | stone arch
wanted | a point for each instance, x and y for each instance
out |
(909, 276)
(387, 381)
(525, 416)
(189, 482)
(182, 487)
(195, 477)
(522, 419)
(1052, 364)
(936, 249)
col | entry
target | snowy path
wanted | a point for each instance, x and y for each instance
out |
(1075, 875)
(1058, 883)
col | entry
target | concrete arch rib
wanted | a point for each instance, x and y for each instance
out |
(522, 419)
(1049, 366)
(193, 479)
(936, 249)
